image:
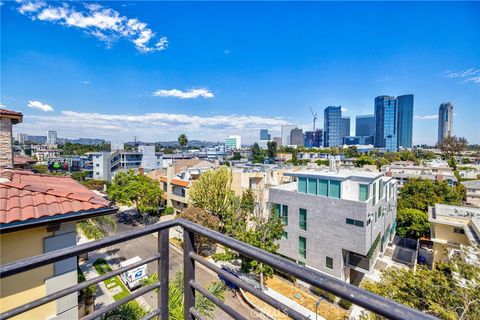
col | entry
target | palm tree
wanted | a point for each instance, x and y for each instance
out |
(175, 296)
(182, 140)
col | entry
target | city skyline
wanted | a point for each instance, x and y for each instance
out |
(114, 86)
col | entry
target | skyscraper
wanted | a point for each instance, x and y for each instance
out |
(314, 139)
(264, 135)
(345, 126)
(365, 125)
(445, 121)
(332, 119)
(405, 120)
(296, 137)
(286, 132)
(386, 123)
(233, 142)
(52, 137)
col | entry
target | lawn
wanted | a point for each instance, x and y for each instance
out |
(103, 267)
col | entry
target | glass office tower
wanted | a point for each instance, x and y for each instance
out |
(332, 119)
(386, 123)
(405, 120)
(364, 125)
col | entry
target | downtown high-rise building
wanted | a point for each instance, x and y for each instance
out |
(314, 139)
(365, 125)
(405, 120)
(296, 137)
(386, 123)
(286, 133)
(332, 119)
(345, 126)
(445, 121)
(264, 135)
(52, 137)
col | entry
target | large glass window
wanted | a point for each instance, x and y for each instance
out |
(302, 184)
(302, 247)
(302, 219)
(374, 192)
(276, 210)
(363, 192)
(334, 189)
(285, 235)
(285, 214)
(329, 262)
(380, 189)
(312, 186)
(323, 189)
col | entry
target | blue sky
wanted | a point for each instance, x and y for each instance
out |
(157, 69)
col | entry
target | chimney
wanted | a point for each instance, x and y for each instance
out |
(7, 120)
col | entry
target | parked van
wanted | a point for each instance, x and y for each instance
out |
(132, 278)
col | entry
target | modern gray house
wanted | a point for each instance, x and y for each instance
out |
(336, 222)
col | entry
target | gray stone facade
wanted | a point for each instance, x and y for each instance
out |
(6, 152)
(328, 234)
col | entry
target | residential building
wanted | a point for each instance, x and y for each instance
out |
(51, 137)
(345, 126)
(355, 140)
(451, 228)
(264, 135)
(7, 119)
(405, 170)
(43, 152)
(286, 134)
(365, 125)
(336, 221)
(22, 138)
(386, 123)
(405, 120)
(233, 142)
(473, 192)
(314, 139)
(38, 214)
(333, 126)
(445, 121)
(177, 179)
(108, 163)
(296, 137)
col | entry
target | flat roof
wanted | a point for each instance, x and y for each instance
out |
(473, 184)
(341, 174)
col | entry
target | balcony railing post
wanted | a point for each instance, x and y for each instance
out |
(188, 273)
(163, 267)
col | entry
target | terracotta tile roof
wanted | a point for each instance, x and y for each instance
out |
(25, 195)
(22, 160)
(15, 116)
(181, 183)
(164, 179)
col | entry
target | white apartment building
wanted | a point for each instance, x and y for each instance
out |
(233, 142)
(106, 164)
(336, 222)
(404, 170)
(473, 192)
(42, 152)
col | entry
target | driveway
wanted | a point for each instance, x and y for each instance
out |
(146, 247)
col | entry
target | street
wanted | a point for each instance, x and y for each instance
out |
(146, 247)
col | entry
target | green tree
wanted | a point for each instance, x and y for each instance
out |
(97, 228)
(412, 223)
(272, 149)
(420, 193)
(40, 168)
(322, 162)
(452, 145)
(364, 160)
(236, 156)
(425, 154)
(200, 216)
(435, 292)
(351, 152)
(452, 163)
(143, 192)
(130, 310)
(257, 154)
(79, 175)
(176, 297)
(182, 141)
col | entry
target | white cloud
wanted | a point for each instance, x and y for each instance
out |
(40, 106)
(189, 94)
(344, 109)
(87, 82)
(103, 23)
(427, 117)
(151, 126)
(469, 75)
(226, 51)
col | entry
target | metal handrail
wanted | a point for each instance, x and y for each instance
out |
(356, 295)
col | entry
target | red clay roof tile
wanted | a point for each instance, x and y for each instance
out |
(25, 195)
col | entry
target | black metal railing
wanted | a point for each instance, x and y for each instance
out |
(356, 295)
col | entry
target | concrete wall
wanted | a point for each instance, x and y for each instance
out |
(445, 232)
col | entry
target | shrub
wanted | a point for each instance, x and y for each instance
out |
(168, 210)
(345, 304)
(330, 297)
